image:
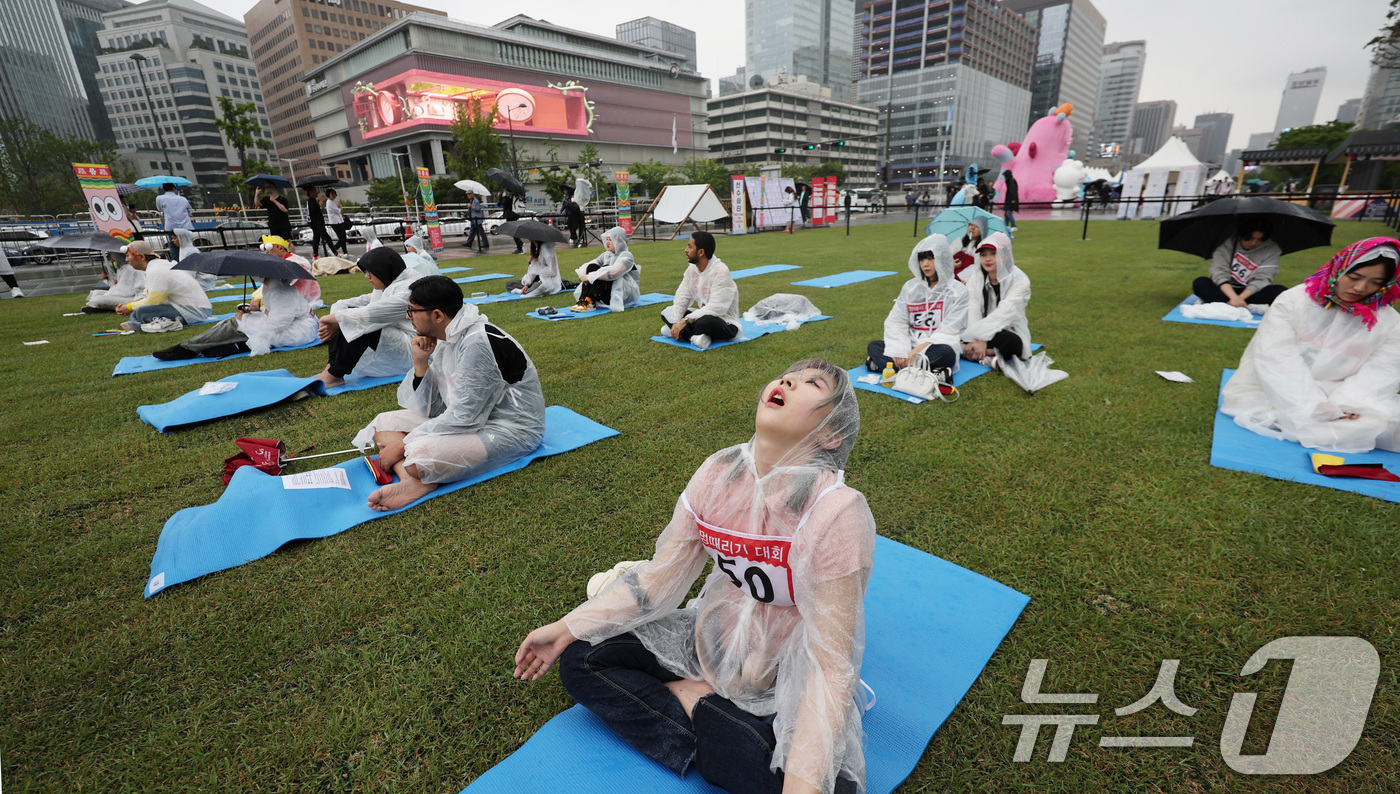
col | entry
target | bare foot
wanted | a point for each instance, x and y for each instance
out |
(687, 692)
(330, 380)
(392, 497)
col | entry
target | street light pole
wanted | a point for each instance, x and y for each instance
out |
(300, 206)
(510, 123)
(150, 107)
(402, 189)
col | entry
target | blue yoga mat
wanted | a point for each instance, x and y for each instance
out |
(255, 390)
(445, 270)
(649, 299)
(231, 286)
(761, 270)
(482, 277)
(842, 279)
(1234, 447)
(930, 627)
(1175, 316)
(131, 365)
(749, 332)
(256, 516)
(967, 370)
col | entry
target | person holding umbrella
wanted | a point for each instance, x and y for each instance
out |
(1243, 268)
(176, 209)
(573, 217)
(509, 213)
(1323, 369)
(279, 218)
(172, 300)
(277, 316)
(542, 275)
(476, 216)
(368, 335)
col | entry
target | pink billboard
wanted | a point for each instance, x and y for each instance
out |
(422, 99)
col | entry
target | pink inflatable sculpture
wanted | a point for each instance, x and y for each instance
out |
(1034, 160)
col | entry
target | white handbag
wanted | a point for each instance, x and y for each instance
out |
(918, 380)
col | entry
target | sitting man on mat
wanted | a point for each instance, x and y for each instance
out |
(172, 300)
(471, 404)
(276, 316)
(128, 285)
(706, 282)
(368, 334)
(756, 681)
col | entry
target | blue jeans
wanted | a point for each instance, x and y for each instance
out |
(621, 682)
(145, 314)
(1010, 218)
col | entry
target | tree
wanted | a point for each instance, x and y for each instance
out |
(652, 175)
(36, 168)
(551, 173)
(602, 185)
(1385, 48)
(238, 183)
(240, 129)
(475, 145)
(385, 192)
(704, 171)
(1328, 136)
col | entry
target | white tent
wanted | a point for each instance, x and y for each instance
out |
(1221, 176)
(1173, 156)
(681, 203)
(1172, 171)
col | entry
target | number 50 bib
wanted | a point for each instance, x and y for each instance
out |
(756, 564)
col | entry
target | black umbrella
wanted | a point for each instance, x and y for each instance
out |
(243, 263)
(1202, 230)
(507, 182)
(127, 188)
(267, 179)
(531, 229)
(319, 180)
(91, 241)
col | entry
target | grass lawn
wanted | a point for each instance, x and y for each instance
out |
(380, 659)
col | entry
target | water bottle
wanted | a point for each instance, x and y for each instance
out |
(887, 378)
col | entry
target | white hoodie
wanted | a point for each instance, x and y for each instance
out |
(935, 314)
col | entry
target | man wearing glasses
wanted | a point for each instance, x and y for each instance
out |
(471, 404)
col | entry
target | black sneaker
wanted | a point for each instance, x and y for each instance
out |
(93, 310)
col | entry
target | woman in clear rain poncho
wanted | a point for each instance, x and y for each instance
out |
(185, 242)
(967, 245)
(928, 315)
(755, 681)
(471, 403)
(542, 276)
(368, 334)
(613, 280)
(419, 256)
(280, 317)
(129, 285)
(996, 317)
(1323, 369)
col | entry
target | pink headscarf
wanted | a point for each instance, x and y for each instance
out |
(1322, 285)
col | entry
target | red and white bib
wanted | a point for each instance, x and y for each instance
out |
(1242, 269)
(926, 316)
(760, 565)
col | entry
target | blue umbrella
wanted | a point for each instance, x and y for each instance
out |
(952, 222)
(268, 179)
(160, 179)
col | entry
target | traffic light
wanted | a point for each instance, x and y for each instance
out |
(840, 143)
(811, 146)
(780, 151)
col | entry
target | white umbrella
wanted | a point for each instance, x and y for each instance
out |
(583, 191)
(1032, 375)
(472, 186)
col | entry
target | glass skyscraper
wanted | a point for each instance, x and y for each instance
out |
(39, 77)
(801, 37)
(1069, 52)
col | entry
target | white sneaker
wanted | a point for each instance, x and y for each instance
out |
(16, 292)
(131, 325)
(700, 340)
(990, 362)
(162, 324)
(666, 330)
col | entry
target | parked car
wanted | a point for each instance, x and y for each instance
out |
(231, 233)
(494, 222)
(21, 246)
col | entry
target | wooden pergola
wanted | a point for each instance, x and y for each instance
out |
(1367, 145)
(1312, 155)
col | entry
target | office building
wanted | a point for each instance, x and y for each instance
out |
(735, 83)
(800, 37)
(1152, 125)
(1068, 56)
(750, 127)
(953, 78)
(1260, 140)
(1215, 133)
(188, 56)
(1348, 111)
(46, 53)
(390, 101)
(1298, 107)
(289, 38)
(659, 34)
(1120, 79)
(1191, 136)
(1380, 102)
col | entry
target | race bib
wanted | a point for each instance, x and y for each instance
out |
(756, 564)
(926, 316)
(1241, 269)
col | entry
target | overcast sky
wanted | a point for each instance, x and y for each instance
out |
(1229, 56)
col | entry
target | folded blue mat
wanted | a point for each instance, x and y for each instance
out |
(256, 516)
(255, 390)
(1234, 447)
(649, 299)
(842, 279)
(930, 627)
(445, 270)
(749, 332)
(761, 270)
(482, 277)
(967, 370)
(1175, 316)
(231, 286)
(131, 365)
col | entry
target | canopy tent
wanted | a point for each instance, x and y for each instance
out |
(1172, 171)
(681, 203)
(1096, 173)
(1173, 156)
(1221, 175)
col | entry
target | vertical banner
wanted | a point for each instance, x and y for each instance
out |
(103, 201)
(1152, 195)
(832, 199)
(425, 187)
(1131, 191)
(1187, 183)
(738, 207)
(624, 201)
(817, 202)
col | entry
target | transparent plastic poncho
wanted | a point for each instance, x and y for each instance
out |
(542, 276)
(989, 313)
(799, 663)
(285, 320)
(617, 266)
(187, 248)
(917, 317)
(782, 308)
(385, 311)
